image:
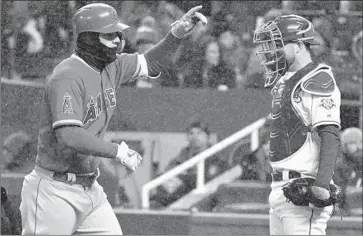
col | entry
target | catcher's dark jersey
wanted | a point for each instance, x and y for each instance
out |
(76, 94)
(311, 100)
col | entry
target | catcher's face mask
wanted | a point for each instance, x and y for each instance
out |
(270, 51)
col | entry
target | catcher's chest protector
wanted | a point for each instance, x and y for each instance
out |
(288, 132)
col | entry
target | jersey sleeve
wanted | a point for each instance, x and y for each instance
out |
(129, 67)
(325, 110)
(65, 100)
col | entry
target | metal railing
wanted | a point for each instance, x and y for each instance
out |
(252, 129)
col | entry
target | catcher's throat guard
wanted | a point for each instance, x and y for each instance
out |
(270, 51)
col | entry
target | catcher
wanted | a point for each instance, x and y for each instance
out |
(305, 123)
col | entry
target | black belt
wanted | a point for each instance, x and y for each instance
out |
(84, 180)
(278, 175)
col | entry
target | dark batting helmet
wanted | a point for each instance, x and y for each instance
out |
(274, 35)
(97, 17)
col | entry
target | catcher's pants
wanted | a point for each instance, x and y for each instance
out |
(51, 207)
(287, 218)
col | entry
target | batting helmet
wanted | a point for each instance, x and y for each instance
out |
(273, 36)
(97, 17)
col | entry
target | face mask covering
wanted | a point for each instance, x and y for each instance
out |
(96, 50)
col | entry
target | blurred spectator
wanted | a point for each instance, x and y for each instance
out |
(58, 27)
(14, 14)
(324, 34)
(254, 72)
(256, 165)
(6, 32)
(234, 54)
(145, 38)
(29, 48)
(349, 6)
(219, 22)
(357, 47)
(348, 170)
(310, 5)
(17, 153)
(198, 134)
(29, 40)
(336, 51)
(211, 71)
(165, 13)
(189, 53)
(9, 224)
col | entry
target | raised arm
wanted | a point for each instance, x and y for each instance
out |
(159, 57)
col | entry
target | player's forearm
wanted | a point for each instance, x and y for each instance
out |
(329, 151)
(160, 56)
(79, 140)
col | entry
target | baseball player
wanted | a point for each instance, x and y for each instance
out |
(305, 123)
(61, 195)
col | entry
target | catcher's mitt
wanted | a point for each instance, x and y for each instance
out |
(299, 193)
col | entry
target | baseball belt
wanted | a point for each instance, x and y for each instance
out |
(284, 175)
(86, 180)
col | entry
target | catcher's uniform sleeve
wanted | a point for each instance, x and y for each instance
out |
(321, 99)
(326, 110)
(66, 104)
(129, 67)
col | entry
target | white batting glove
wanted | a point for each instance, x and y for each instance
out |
(183, 27)
(128, 157)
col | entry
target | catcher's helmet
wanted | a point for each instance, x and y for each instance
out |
(274, 35)
(97, 17)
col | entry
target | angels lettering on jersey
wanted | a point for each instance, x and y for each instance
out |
(95, 105)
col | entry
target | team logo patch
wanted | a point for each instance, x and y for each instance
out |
(67, 105)
(327, 103)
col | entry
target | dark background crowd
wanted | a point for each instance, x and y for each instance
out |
(36, 35)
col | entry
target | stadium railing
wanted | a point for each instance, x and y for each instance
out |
(252, 130)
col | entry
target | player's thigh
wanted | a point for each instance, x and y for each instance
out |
(320, 218)
(306, 221)
(43, 211)
(276, 227)
(102, 221)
